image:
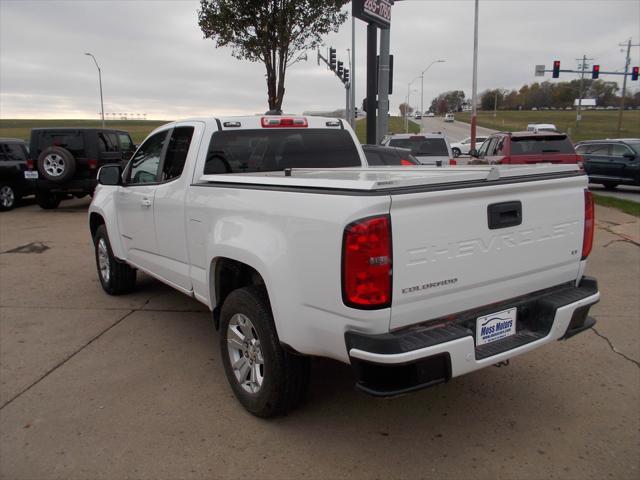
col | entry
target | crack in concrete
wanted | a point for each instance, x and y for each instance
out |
(613, 349)
(622, 237)
(61, 363)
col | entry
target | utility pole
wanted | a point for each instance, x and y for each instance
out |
(582, 68)
(624, 81)
(474, 89)
(383, 84)
(352, 68)
(495, 105)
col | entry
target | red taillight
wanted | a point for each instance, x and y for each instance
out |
(406, 163)
(366, 263)
(284, 122)
(453, 162)
(589, 224)
(93, 164)
(580, 162)
(30, 163)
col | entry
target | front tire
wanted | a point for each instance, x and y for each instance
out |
(456, 152)
(8, 197)
(116, 277)
(267, 379)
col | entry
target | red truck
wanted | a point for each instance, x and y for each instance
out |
(525, 148)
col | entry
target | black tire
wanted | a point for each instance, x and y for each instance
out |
(47, 200)
(610, 185)
(9, 196)
(456, 152)
(56, 164)
(285, 375)
(120, 277)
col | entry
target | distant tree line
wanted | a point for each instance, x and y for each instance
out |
(538, 95)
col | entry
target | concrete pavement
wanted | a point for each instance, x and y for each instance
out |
(94, 386)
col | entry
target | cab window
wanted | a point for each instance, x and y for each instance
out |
(145, 163)
(177, 151)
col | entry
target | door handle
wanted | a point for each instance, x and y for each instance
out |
(146, 202)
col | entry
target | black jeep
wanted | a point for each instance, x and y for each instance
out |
(67, 160)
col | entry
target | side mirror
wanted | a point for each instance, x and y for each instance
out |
(473, 152)
(110, 175)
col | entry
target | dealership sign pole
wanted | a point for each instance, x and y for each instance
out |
(377, 14)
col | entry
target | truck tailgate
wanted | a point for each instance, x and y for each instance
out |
(447, 259)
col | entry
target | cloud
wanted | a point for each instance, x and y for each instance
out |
(154, 59)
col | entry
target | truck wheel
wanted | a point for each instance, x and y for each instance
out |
(116, 277)
(47, 200)
(267, 379)
(456, 152)
(56, 164)
(8, 197)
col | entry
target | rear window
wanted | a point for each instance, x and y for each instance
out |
(72, 141)
(434, 147)
(274, 150)
(540, 145)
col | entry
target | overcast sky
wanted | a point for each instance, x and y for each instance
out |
(155, 61)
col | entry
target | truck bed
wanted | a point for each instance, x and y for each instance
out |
(389, 178)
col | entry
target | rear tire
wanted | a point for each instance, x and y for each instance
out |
(56, 164)
(9, 197)
(47, 200)
(267, 379)
(116, 277)
(610, 185)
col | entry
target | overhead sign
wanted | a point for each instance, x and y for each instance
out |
(373, 11)
(539, 70)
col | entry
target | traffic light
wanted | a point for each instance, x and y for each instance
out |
(556, 69)
(595, 72)
(345, 77)
(340, 69)
(634, 73)
(332, 59)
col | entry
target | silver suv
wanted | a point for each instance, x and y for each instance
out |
(428, 148)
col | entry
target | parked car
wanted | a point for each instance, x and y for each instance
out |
(65, 160)
(13, 165)
(463, 147)
(417, 115)
(541, 127)
(430, 114)
(378, 155)
(611, 162)
(428, 148)
(527, 148)
(412, 276)
(449, 118)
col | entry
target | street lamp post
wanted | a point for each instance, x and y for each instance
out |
(406, 112)
(422, 90)
(100, 80)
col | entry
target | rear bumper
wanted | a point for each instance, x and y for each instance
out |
(83, 185)
(425, 355)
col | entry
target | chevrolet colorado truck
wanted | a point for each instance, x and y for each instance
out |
(411, 275)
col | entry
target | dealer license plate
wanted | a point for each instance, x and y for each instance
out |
(495, 326)
(30, 174)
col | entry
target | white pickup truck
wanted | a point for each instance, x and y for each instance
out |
(412, 275)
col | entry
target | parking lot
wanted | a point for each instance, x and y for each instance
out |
(94, 386)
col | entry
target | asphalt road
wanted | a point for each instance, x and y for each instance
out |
(93, 386)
